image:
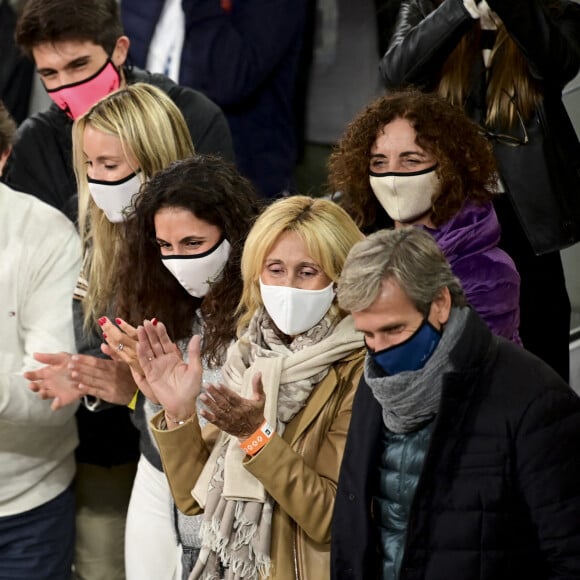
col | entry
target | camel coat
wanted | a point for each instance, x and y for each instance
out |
(299, 470)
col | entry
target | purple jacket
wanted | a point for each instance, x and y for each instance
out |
(488, 275)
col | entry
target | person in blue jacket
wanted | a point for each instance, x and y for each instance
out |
(244, 55)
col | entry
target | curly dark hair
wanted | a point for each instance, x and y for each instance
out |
(214, 192)
(466, 164)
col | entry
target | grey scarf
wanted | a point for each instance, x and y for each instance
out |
(411, 398)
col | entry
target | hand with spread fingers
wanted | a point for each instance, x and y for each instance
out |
(233, 414)
(54, 381)
(106, 379)
(176, 384)
(121, 342)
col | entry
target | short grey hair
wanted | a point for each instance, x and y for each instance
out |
(408, 255)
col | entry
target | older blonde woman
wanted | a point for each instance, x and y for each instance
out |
(265, 471)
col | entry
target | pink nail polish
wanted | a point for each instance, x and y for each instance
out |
(104, 336)
(102, 320)
(118, 321)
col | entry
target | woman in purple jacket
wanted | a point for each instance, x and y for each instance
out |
(412, 158)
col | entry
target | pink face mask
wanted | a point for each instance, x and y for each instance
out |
(77, 98)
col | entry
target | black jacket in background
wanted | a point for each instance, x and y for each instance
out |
(107, 436)
(499, 493)
(245, 59)
(41, 160)
(16, 71)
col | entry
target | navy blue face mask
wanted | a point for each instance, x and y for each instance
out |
(411, 354)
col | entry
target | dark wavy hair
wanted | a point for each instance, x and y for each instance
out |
(214, 192)
(50, 21)
(466, 164)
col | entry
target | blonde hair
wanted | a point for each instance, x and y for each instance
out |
(153, 131)
(327, 230)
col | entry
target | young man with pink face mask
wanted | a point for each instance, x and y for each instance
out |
(80, 54)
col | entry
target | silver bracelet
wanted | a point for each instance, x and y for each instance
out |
(176, 421)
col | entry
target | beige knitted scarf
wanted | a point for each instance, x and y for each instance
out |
(236, 530)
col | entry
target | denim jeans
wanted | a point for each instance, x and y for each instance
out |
(39, 543)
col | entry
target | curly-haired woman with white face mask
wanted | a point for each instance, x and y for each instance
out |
(411, 158)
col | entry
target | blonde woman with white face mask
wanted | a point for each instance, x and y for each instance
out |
(411, 158)
(264, 471)
(118, 145)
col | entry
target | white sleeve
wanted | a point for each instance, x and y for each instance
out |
(45, 281)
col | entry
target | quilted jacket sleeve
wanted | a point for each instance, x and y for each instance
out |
(547, 465)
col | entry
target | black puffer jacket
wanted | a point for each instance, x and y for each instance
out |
(41, 160)
(499, 493)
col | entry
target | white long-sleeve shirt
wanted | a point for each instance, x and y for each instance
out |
(39, 265)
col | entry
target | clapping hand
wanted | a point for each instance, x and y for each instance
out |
(120, 342)
(175, 383)
(54, 381)
(106, 379)
(233, 414)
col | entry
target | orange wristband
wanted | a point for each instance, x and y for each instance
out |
(257, 439)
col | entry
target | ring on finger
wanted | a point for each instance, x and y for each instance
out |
(120, 346)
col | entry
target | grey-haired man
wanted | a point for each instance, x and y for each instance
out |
(462, 454)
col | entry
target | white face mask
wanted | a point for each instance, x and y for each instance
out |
(406, 196)
(293, 310)
(113, 197)
(197, 272)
